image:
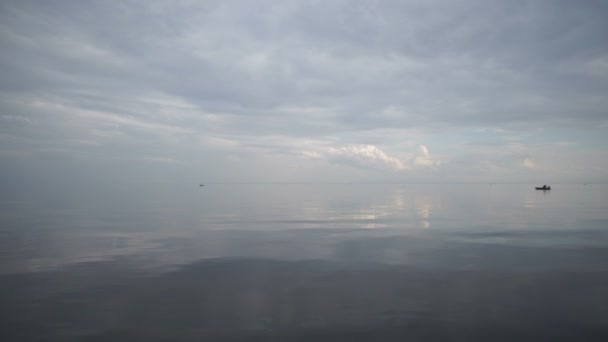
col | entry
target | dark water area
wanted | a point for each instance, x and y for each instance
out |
(304, 262)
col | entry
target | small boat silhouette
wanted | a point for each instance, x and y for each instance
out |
(544, 187)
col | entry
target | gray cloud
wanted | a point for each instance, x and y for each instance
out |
(193, 80)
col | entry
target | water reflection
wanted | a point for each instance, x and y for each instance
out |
(292, 222)
(270, 300)
(295, 263)
(534, 198)
(410, 208)
(423, 207)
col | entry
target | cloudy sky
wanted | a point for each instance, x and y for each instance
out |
(299, 91)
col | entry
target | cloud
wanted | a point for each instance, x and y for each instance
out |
(350, 82)
(428, 64)
(366, 156)
(424, 158)
(372, 157)
(529, 163)
(16, 119)
(163, 160)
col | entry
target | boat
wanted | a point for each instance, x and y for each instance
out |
(544, 187)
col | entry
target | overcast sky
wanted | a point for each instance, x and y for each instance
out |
(292, 91)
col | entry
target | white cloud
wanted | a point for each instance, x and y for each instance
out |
(529, 163)
(359, 156)
(424, 158)
(372, 157)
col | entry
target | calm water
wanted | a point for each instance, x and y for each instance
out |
(302, 262)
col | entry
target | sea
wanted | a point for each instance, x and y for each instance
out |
(306, 262)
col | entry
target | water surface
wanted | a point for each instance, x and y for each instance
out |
(306, 262)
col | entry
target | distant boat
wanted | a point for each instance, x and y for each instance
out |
(544, 187)
(202, 184)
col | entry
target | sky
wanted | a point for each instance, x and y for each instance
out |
(100, 92)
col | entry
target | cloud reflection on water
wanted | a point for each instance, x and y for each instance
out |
(300, 262)
(291, 222)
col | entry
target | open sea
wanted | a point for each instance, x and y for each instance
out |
(307, 262)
